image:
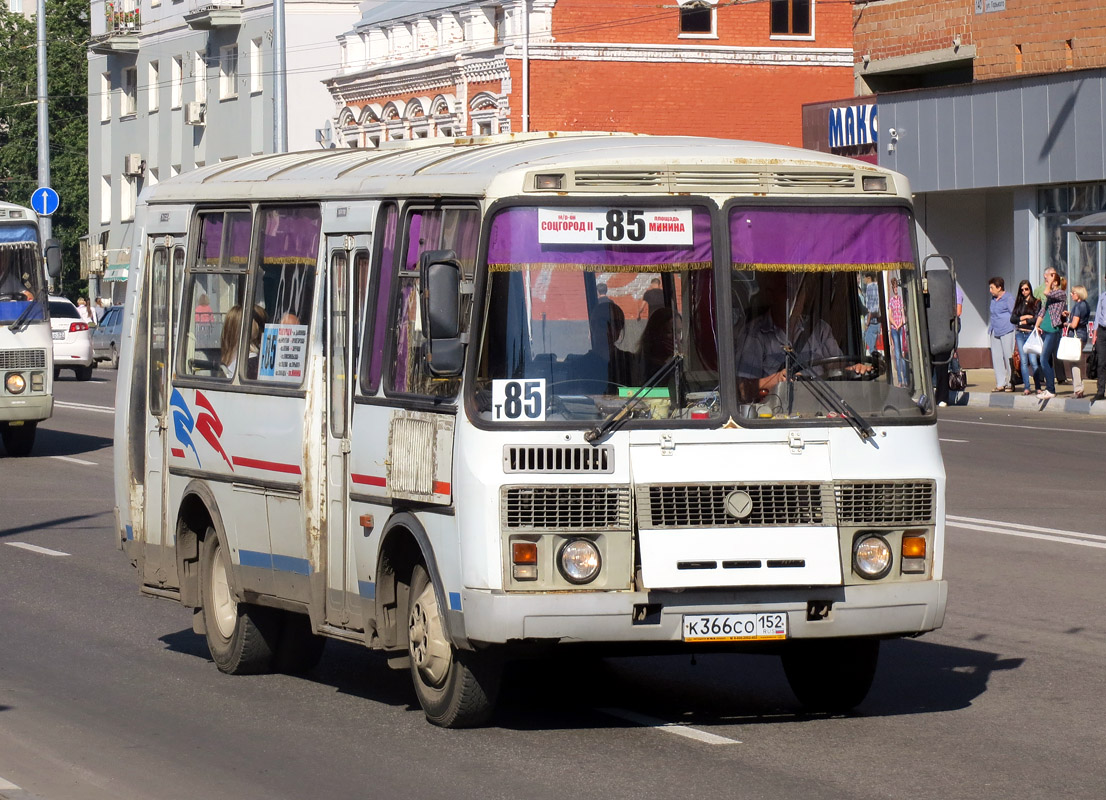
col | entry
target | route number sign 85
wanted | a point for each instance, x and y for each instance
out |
(518, 400)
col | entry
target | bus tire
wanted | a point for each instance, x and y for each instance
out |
(831, 675)
(456, 688)
(18, 439)
(240, 636)
(299, 649)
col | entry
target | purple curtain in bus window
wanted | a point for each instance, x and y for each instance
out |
(821, 238)
(414, 241)
(239, 238)
(291, 236)
(383, 296)
(211, 239)
(514, 240)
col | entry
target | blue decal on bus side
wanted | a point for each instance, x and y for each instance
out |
(454, 601)
(255, 558)
(299, 566)
(367, 589)
(130, 534)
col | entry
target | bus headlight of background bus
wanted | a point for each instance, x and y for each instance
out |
(579, 561)
(15, 383)
(872, 556)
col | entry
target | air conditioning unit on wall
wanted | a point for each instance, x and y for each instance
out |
(194, 113)
(133, 164)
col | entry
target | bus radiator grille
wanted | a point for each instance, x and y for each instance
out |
(885, 502)
(704, 505)
(562, 459)
(559, 508)
(22, 359)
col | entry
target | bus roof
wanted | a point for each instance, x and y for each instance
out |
(495, 166)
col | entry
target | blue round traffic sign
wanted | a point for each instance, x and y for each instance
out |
(44, 201)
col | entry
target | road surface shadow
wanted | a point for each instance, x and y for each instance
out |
(67, 443)
(64, 524)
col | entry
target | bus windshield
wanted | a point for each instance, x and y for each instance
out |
(825, 307)
(588, 304)
(21, 272)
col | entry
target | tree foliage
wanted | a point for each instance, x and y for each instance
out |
(67, 34)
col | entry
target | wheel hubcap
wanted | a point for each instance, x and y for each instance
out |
(225, 609)
(430, 650)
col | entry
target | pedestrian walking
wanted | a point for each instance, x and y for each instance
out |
(1077, 325)
(1050, 321)
(1024, 317)
(82, 310)
(1001, 333)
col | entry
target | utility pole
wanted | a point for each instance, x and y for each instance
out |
(43, 117)
(280, 82)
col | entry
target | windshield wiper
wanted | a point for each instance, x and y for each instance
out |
(617, 417)
(21, 322)
(829, 397)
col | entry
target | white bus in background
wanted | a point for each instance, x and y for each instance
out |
(463, 401)
(26, 347)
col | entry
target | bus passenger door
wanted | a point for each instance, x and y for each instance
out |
(159, 567)
(342, 607)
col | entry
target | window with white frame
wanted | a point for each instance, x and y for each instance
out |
(15, 6)
(177, 80)
(153, 88)
(105, 199)
(105, 96)
(698, 19)
(228, 72)
(256, 78)
(127, 196)
(199, 74)
(792, 18)
(129, 106)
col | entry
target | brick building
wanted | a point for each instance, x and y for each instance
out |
(995, 110)
(703, 67)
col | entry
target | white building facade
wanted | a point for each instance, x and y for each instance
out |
(178, 84)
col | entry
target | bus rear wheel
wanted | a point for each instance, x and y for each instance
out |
(456, 688)
(18, 439)
(831, 675)
(241, 637)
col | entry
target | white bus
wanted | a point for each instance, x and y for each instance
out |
(462, 401)
(26, 349)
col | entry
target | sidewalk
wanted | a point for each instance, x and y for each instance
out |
(981, 381)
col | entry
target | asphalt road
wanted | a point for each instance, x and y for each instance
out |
(108, 694)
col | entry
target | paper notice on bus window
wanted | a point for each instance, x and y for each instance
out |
(283, 353)
(621, 226)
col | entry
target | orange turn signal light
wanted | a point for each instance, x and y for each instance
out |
(913, 547)
(524, 552)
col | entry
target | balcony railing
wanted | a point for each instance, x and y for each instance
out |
(121, 31)
(207, 14)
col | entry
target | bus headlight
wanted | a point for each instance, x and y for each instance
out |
(871, 556)
(579, 561)
(15, 383)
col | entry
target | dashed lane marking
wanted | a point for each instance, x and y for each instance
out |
(668, 727)
(1027, 531)
(72, 460)
(34, 548)
(85, 407)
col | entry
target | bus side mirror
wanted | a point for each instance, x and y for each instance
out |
(53, 257)
(940, 305)
(440, 276)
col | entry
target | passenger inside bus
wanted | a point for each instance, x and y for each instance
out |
(231, 328)
(605, 366)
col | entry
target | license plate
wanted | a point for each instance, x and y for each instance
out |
(59, 334)
(735, 627)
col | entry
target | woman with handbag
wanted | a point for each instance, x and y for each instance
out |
(1024, 319)
(1050, 319)
(1077, 325)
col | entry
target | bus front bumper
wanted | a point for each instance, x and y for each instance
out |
(868, 610)
(30, 408)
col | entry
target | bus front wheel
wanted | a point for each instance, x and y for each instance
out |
(241, 637)
(18, 439)
(456, 688)
(831, 675)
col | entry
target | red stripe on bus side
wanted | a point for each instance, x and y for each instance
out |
(441, 487)
(368, 480)
(176, 452)
(269, 466)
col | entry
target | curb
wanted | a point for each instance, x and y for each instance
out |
(1020, 402)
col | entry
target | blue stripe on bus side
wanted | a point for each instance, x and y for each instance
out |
(455, 601)
(130, 533)
(255, 558)
(367, 589)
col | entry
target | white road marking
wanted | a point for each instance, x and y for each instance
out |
(668, 727)
(72, 460)
(34, 548)
(85, 407)
(958, 441)
(1022, 427)
(8, 785)
(1027, 531)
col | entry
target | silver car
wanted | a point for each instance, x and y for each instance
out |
(106, 337)
(72, 340)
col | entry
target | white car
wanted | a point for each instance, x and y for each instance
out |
(72, 339)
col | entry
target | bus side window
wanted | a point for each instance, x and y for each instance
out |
(213, 293)
(454, 229)
(159, 328)
(375, 331)
(361, 263)
(284, 291)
